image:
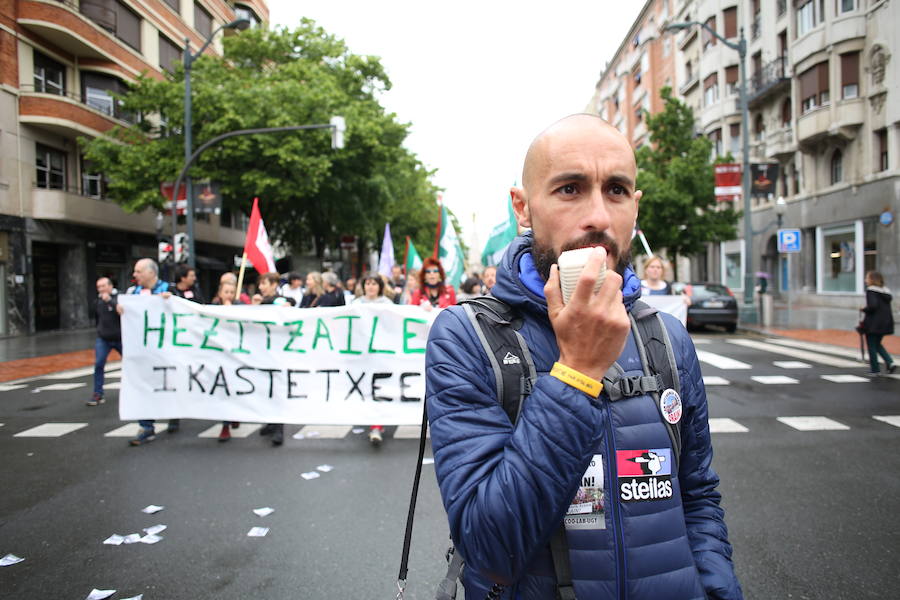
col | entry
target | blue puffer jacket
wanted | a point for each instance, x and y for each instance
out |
(507, 488)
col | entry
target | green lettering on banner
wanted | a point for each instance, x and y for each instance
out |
(320, 325)
(294, 335)
(372, 340)
(209, 332)
(161, 329)
(408, 336)
(176, 329)
(268, 332)
(348, 349)
(240, 349)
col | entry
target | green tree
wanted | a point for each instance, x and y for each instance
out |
(678, 210)
(309, 194)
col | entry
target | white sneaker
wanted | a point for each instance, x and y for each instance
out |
(375, 437)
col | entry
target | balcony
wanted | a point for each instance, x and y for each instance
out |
(780, 143)
(689, 84)
(770, 81)
(831, 123)
(63, 115)
(756, 27)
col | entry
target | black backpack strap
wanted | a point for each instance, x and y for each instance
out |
(658, 360)
(559, 548)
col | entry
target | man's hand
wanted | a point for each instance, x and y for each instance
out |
(120, 309)
(592, 328)
(257, 299)
(105, 297)
(165, 295)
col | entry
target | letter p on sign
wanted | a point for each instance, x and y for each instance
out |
(789, 240)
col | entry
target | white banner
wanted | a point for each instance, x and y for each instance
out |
(674, 305)
(352, 365)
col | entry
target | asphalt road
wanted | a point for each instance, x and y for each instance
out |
(812, 514)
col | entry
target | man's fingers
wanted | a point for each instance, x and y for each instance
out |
(584, 288)
(552, 291)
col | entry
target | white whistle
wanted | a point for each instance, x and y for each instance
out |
(571, 264)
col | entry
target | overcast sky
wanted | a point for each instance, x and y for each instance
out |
(477, 80)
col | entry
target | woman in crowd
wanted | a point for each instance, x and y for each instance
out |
(653, 283)
(314, 290)
(433, 292)
(373, 293)
(412, 285)
(877, 322)
(334, 295)
(471, 288)
(225, 296)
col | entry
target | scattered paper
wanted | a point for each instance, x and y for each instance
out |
(298, 436)
(138, 597)
(155, 529)
(427, 461)
(310, 475)
(258, 532)
(325, 468)
(313, 434)
(152, 509)
(10, 559)
(30, 454)
(132, 538)
(264, 512)
(150, 539)
(100, 594)
(114, 540)
(357, 430)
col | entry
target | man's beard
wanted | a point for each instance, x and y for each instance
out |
(545, 256)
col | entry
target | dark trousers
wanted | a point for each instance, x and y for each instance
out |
(873, 341)
(102, 348)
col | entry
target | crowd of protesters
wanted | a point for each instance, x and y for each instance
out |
(426, 287)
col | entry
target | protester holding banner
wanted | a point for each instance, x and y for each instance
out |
(373, 293)
(433, 291)
(314, 290)
(653, 284)
(185, 285)
(293, 288)
(147, 282)
(269, 294)
(333, 295)
(412, 286)
(225, 296)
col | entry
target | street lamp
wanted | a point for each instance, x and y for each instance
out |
(240, 25)
(748, 312)
(780, 209)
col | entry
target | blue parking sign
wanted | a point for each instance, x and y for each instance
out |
(788, 240)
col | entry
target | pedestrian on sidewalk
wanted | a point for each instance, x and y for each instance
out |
(147, 282)
(373, 293)
(878, 322)
(269, 294)
(109, 334)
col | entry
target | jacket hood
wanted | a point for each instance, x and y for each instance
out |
(521, 286)
(880, 290)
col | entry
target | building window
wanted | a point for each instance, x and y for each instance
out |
(51, 168)
(169, 54)
(202, 21)
(729, 15)
(759, 128)
(128, 26)
(708, 38)
(731, 80)
(734, 133)
(97, 92)
(173, 4)
(837, 257)
(786, 112)
(732, 263)
(715, 137)
(667, 47)
(688, 71)
(93, 183)
(806, 17)
(846, 5)
(711, 89)
(882, 148)
(49, 75)
(756, 26)
(814, 87)
(850, 75)
(837, 167)
(244, 12)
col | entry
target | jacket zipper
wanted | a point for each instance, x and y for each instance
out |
(618, 536)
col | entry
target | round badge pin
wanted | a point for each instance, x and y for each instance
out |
(670, 406)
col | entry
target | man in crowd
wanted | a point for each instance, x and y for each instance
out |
(269, 294)
(109, 335)
(186, 284)
(488, 279)
(644, 520)
(333, 295)
(293, 288)
(398, 281)
(147, 282)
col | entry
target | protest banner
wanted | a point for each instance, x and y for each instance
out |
(674, 305)
(351, 365)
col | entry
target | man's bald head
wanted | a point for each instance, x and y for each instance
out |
(542, 145)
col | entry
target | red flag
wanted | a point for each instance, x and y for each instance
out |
(256, 246)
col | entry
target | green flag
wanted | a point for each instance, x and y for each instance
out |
(450, 251)
(413, 260)
(502, 234)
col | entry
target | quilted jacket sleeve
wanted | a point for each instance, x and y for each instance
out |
(704, 518)
(504, 488)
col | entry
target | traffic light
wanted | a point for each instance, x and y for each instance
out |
(164, 253)
(181, 247)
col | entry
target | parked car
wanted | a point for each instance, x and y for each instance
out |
(711, 304)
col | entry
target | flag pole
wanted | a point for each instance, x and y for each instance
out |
(406, 256)
(437, 235)
(241, 275)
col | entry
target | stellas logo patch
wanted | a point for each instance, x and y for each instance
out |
(644, 474)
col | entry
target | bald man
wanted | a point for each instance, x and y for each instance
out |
(571, 467)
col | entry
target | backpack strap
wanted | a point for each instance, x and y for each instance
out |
(559, 548)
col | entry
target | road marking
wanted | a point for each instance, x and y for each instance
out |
(791, 364)
(722, 425)
(713, 380)
(890, 420)
(774, 379)
(131, 430)
(330, 432)
(406, 432)
(701, 341)
(895, 376)
(54, 387)
(51, 430)
(812, 423)
(241, 432)
(114, 375)
(845, 378)
(815, 357)
(9, 388)
(852, 354)
(116, 385)
(70, 374)
(721, 362)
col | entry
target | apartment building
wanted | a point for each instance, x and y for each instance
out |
(819, 78)
(60, 60)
